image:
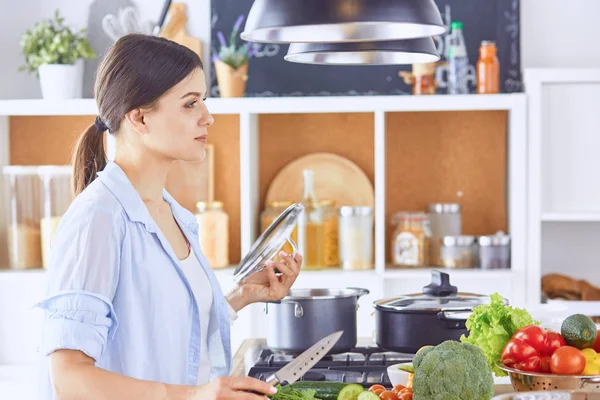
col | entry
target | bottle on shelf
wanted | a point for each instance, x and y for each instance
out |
(213, 233)
(458, 61)
(311, 226)
(488, 69)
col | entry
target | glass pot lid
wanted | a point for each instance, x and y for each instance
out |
(439, 295)
(269, 242)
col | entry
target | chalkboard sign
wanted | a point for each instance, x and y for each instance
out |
(270, 75)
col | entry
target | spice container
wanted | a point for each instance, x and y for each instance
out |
(213, 232)
(356, 237)
(457, 252)
(411, 239)
(36, 199)
(494, 251)
(330, 233)
(270, 213)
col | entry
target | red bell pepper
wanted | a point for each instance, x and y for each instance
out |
(530, 349)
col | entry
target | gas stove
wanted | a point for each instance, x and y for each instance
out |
(363, 365)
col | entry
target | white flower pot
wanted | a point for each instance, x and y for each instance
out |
(62, 81)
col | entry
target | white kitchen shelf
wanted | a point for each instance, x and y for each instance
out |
(571, 217)
(274, 105)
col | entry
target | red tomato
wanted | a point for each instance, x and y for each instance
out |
(567, 360)
(406, 396)
(377, 388)
(388, 395)
(517, 351)
(597, 342)
(398, 388)
(555, 340)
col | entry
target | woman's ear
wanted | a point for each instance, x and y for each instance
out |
(136, 120)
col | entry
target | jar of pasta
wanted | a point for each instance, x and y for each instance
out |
(330, 234)
(410, 240)
(269, 214)
(213, 232)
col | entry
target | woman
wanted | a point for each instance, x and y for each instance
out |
(133, 309)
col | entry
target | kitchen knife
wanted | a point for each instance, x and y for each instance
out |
(305, 361)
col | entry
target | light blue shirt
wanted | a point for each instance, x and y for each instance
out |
(117, 293)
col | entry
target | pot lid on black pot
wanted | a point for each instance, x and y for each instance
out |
(269, 242)
(439, 295)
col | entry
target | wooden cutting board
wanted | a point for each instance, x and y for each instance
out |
(335, 178)
(191, 182)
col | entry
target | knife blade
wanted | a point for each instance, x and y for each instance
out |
(305, 361)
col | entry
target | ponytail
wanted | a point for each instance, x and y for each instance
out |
(88, 158)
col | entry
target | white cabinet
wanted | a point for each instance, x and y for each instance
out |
(563, 183)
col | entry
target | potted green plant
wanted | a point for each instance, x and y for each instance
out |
(56, 54)
(231, 63)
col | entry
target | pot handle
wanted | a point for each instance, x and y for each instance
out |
(298, 310)
(454, 319)
(361, 291)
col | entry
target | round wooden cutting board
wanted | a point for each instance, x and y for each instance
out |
(336, 178)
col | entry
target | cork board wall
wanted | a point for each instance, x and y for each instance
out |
(285, 137)
(49, 140)
(448, 157)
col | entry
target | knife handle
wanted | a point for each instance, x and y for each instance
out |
(271, 380)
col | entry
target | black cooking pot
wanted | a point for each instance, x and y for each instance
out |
(407, 323)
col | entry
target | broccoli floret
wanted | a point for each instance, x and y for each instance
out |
(452, 371)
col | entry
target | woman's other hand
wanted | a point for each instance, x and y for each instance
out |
(266, 285)
(233, 388)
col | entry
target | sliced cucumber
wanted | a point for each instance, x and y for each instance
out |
(367, 396)
(351, 392)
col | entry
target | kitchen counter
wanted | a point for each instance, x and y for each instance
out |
(250, 349)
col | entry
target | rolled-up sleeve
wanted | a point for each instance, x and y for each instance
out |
(83, 277)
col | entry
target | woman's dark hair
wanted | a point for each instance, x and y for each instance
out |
(135, 72)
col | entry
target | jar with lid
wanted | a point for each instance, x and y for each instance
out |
(411, 239)
(269, 214)
(457, 252)
(213, 232)
(36, 198)
(445, 220)
(356, 237)
(494, 251)
(330, 233)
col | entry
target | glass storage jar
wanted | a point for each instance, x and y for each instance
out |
(494, 251)
(356, 237)
(269, 214)
(457, 252)
(445, 220)
(411, 239)
(36, 197)
(213, 232)
(330, 233)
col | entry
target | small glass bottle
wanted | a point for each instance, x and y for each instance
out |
(356, 237)
(213, 232)
(310, 226)
(488, 69)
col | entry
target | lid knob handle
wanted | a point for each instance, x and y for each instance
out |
(440, 285)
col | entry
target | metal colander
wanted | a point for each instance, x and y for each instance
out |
(523, 381)
(549, 396)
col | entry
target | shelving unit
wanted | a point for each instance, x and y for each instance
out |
(563, 189)
(382, 128)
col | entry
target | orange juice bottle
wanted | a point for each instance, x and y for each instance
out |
(488, 69)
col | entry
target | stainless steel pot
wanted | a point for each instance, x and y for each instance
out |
(306, 315)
